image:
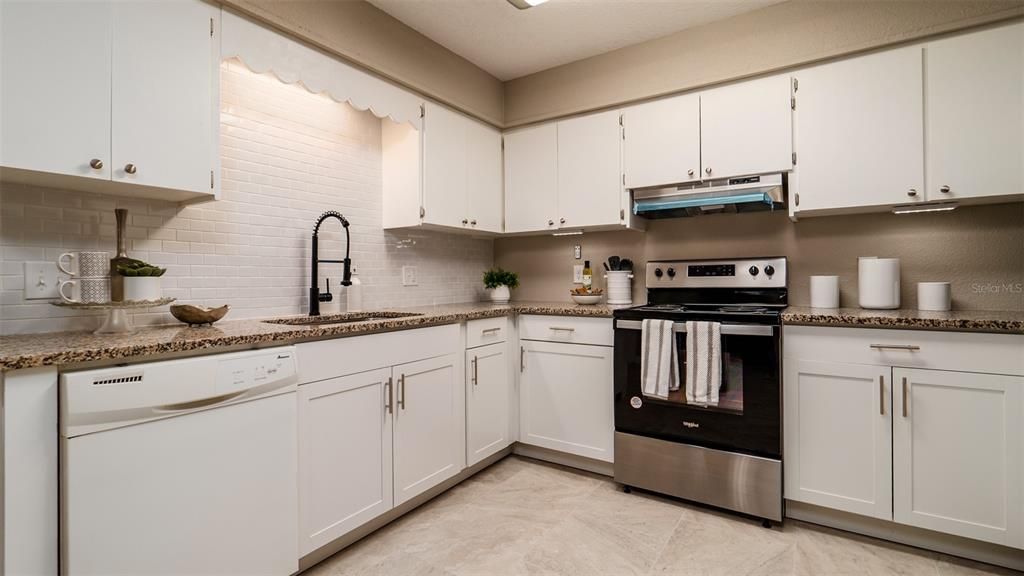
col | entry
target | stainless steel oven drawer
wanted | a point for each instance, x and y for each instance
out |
(747, 484)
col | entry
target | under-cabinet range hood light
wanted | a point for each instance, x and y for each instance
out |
(569, 233)
(918, 208)
(524, 4)
(746, 194)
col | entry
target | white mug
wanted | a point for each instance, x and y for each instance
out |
(85, 290)
(85, 264)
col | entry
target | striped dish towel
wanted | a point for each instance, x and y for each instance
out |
(703, 362)
(659, 362)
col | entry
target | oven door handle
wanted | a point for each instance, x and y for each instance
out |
(727, 329)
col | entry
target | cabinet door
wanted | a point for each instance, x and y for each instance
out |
(55, 87)
(164, 94)
(589, 171)
(484, 195)
(566, 398)
(444, 167)
(429, 425)
(974, 95)
(838, 439)
(661, 142)
(531, 179)
(487, 401)
(859, 132)
(746, 128)
(957, 454)
(344, 455)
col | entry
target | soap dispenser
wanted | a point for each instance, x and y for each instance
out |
(355, 293)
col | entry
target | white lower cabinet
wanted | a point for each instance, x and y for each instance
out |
(565, 396)
(344, 455)
(487, 401)
(958, 453)
(938, 448)
(838, 447)
(429, 445)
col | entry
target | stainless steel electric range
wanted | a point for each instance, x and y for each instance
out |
(727, 455)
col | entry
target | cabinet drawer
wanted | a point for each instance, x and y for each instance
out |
(567, 329)
(486, 331)
(961, 351)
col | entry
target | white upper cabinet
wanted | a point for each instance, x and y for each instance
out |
(958, 454)
(55, 88)
(974, 99)
(661, 142)
(121, 91)
(484, 197)
(444, 166)
(164, 94)
(859, 132)
(746, 128)
(461, 174)
(589, 171)
(531, 179)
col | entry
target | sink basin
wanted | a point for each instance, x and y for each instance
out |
(341, 318)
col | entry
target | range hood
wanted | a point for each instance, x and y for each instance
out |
(744, 194)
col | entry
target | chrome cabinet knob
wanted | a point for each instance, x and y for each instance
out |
(551, 222)
(944, 189)
(689, 172)
(707, 170)
(912, 192)
(130, 168)
(96, 164)
(561, 220)
(472, 222)
(464, 221)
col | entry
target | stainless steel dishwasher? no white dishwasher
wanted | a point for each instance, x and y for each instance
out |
(181, 467)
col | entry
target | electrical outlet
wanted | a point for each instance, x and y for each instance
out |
(577, 252)
(41, 280)
(409, 276)
(577, 274)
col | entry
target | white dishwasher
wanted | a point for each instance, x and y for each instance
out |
(183, 467)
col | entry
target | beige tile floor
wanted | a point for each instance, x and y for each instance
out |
(521, 516)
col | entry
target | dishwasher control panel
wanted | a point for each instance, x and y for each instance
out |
(238, 374)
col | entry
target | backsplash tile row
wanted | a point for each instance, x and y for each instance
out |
(287, 155)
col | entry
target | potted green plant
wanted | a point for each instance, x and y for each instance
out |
(498, 283)
(141, 280)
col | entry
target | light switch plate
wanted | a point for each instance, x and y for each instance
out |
(409, 276)
(577, 252)
(41, 280)
(577, 273)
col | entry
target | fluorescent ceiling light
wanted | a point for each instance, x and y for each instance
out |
(918, 208)
(524, 4)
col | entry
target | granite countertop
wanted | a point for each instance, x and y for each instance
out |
(1008, 322)
(63, 348)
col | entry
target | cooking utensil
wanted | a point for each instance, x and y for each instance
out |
(606, 268)
(626, 264)
(613, 262)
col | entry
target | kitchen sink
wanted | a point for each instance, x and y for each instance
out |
(341, 318)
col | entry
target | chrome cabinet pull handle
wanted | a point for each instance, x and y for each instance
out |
(904, 396)
(689, 172)
(907, 347)
(391, 395)
(476, 374)
(130, 168)
(912, 192)
(401, 392)
(562, 329)
(490, 330)
(944, 189)
(96, 164)
(881, 395)
(522, 358)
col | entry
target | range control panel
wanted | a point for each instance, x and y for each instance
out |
(741, 273)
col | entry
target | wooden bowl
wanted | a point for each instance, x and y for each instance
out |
(198, 315)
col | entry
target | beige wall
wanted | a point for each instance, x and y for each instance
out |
(777, 37)
(362, 33)
(979, 249)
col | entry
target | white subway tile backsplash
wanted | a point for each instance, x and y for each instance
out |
(286, 156)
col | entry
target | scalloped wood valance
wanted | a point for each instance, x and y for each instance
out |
(264, 50)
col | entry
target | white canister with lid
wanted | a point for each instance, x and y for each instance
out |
(934, 296)
(878, 282)
(824, 291)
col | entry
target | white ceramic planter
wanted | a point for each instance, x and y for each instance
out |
(500, 295)
(137, 288)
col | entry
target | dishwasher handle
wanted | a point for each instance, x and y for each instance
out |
(201, 403)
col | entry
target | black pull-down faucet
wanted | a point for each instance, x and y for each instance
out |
(315, 297)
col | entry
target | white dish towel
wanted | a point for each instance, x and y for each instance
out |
(659, 364)
(703, 362)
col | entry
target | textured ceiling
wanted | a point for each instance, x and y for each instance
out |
(510, 43)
